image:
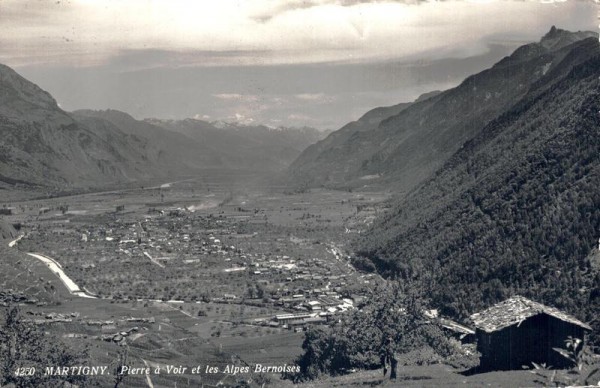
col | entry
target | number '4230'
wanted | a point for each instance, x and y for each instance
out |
(25, 371)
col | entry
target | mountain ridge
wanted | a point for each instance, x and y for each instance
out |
(514, 211)
(409, 146)
(249, 146)
(42, 145)
(46, 148)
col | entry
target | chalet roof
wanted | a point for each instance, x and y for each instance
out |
(515, 310)
(455, 326)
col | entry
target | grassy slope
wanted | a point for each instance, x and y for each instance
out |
(438, 375)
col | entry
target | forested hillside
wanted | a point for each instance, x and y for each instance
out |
(515, 211)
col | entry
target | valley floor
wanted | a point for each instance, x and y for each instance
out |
(202, 273)
(187, 273)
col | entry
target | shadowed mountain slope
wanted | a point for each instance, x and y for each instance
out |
(40, 144)
(171, 150)
(516, 210)
(45, 147)
(407, 147)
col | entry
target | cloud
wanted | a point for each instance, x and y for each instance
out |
(274, 9)
(315, 97)
(241, 119)
(299, 117)
(277, 8)
(139, 59)
(265, 32)
(310, 96)
(237, 97)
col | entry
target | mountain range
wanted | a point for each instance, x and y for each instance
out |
(43, 146)
(403, 145)
(256, 147)
(516, 208)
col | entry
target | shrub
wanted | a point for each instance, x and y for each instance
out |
(391, 324)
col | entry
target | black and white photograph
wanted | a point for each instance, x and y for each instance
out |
(299, 193)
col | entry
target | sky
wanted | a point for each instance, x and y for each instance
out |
(319, 63)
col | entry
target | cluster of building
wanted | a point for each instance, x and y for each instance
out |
(10, 297)
(110, 330)
(318, 311)
(181, 251)
(186, 242)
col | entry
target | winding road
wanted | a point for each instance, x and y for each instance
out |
(55, 267)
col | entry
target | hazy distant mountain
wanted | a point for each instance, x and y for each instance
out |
(245, 146)
(40, 144)
(172, 151)
(516, 210)
(410, 144)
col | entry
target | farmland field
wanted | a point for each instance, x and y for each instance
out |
(188, 273)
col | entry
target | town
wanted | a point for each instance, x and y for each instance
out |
(234, 252)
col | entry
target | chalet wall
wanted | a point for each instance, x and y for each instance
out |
(530, 341)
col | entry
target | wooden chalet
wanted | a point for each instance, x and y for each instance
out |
(519, 331)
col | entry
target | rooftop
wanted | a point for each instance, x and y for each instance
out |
(515, 310)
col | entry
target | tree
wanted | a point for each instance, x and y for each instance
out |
(23, 346)
(371, 338)
(122, 360)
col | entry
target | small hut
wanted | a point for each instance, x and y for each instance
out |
(518, 331)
